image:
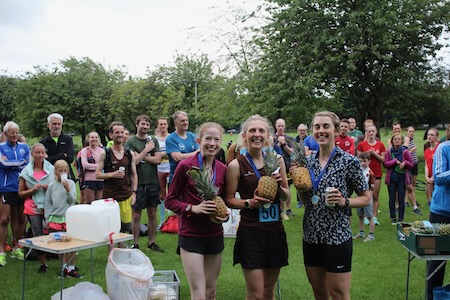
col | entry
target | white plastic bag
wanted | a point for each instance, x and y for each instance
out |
(128, 274)
(82, 291)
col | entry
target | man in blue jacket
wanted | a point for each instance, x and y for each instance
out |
(14, 156)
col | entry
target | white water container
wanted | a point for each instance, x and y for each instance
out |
(95, 222)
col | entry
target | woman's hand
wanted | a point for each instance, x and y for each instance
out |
(335, 197)
(206, 207)
(258, 201)
(219, 220)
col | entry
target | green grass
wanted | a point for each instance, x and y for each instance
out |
(379, 267)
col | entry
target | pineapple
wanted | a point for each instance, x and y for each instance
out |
(207, 191)
(300, 175)
(267, 186)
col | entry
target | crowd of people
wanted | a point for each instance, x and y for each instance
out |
(144, 171)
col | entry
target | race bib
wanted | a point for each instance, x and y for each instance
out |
(270, 214)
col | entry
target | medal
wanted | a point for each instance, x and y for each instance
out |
(315, 199)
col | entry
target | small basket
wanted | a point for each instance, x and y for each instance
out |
(165, 286)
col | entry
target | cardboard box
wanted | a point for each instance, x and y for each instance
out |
(423, 244)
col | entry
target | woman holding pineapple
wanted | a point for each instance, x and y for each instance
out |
(327, 236)
(193, 195)
(260, 178)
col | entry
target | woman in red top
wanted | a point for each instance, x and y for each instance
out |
(200, 237)
(428, 154)
(377, 150)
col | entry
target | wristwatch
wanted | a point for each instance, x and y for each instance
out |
(247, 204)
(347, 202)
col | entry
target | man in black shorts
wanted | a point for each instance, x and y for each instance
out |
(147, 158)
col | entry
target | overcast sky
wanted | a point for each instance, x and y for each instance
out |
(134, 33)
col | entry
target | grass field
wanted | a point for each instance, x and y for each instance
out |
(379, 267)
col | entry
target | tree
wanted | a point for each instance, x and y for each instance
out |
(78, 89)
(7, 85)
(350, 54)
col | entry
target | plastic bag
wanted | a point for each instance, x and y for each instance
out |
(128, 274)
(82, 291)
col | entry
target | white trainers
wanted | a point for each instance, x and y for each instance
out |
(369, 238)
(358, 236)
(284, 216)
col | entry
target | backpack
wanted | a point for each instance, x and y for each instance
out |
(170, 225)
(81, 172)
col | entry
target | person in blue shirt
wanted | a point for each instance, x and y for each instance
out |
(440, 206)
(181, 143)
(14, 156)
(311, 146)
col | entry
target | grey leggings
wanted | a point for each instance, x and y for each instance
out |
(37, 227)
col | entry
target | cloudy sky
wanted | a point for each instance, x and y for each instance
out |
(134, 33)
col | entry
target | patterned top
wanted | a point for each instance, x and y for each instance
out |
(412, 144)
(331, 225)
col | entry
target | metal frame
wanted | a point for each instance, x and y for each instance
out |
(42, 243)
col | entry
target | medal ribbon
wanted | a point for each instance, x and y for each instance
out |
(250, 160)
(316, 180)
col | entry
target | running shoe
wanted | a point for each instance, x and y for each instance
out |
(284, 216)
(73, 274)
(2, 259)
(17, 253)
(289, 213)
(155, 247)
(394, 222)
(134, 246)
(7, 247)
(375, 220)
(358, 236)
(43, 269)
(369, 238)
(417, 211)
(366, 221)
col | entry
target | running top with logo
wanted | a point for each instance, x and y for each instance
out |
(375, 164)
(13, 158)
(346, 143)
(428, 155)
(147, 173)
(117, 188)
(164, 166)
(248, 181)
(174, 143)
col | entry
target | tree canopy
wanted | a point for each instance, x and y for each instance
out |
(366, 59)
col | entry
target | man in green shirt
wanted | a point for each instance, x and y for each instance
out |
(147, 158)
(353, 132)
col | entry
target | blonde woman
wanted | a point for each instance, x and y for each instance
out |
(261, 246)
